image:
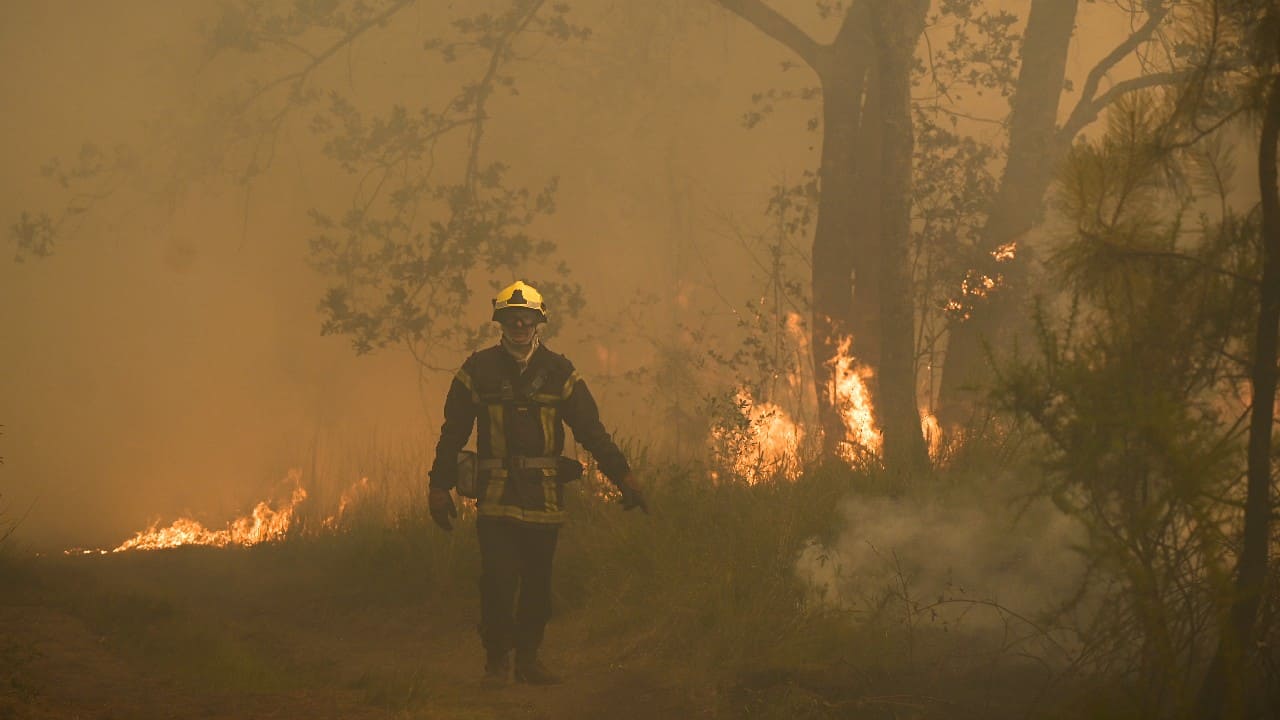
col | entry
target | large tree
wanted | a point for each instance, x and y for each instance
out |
(1037, 143)
(1155, 386)
(429, 208)
(857, 288)
(896, 28)
(1230, 689)
(845, 241)
(861, 289)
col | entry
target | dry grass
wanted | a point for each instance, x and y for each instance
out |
(696, 609)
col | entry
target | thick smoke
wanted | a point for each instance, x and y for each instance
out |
(958, 561)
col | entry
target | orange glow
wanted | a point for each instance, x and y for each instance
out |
(764, 447)
(932, 433)
(980, 285)
(848, 393)
(263, 524)
(799, 336)
(349, 496)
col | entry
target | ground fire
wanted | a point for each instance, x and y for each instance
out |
(263, 524)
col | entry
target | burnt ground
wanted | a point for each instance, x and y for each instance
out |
(96, 638)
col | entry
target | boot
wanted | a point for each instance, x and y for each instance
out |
(529, 670)
(497, 670)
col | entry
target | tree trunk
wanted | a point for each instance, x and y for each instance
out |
(897, 25)
(834, 316)
(843, 242)
(865, 222)
(854, 298)
(1223, 693)
(1033, 155)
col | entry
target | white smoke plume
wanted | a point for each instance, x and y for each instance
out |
(925, 553)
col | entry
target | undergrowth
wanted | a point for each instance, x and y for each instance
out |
(704, 592)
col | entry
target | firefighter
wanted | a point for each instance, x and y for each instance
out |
(519, 394)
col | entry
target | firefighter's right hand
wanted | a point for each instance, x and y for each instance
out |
(631, 495)
(440, 503)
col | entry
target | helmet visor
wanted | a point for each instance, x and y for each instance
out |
(518, 316)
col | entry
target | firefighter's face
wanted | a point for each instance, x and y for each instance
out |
(519, 325)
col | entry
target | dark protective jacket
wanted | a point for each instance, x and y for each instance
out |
(520, 415)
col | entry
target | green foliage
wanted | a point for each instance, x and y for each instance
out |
(1134, 386)
(952, 192)
(980, 55)
(430, 214)
(716, 577)
(402, 258)
(400, 284)
(704, 595)
(90, 176)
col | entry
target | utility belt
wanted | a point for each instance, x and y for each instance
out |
(518, 462)
(473, 471)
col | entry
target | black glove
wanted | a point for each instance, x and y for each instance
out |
(631, 495)
(440, 503)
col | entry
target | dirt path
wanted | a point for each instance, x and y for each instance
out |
(405, 664)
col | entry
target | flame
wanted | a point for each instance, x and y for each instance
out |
(349, 496)
(932, 430)
(766, 446)
(978, 285)
(848, 393)
(799, 336)
(1005, 252)
(956, 310)
(263, 524)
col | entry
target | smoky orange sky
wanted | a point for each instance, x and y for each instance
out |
(167, 359)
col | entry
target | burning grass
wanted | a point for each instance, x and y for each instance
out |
(376, 613)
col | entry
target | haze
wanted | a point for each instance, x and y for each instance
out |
(167, 358)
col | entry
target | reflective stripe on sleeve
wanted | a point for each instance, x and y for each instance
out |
(463, 377)
(568, 385)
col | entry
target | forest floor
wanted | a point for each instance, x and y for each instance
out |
(156, 637)
(658, 616)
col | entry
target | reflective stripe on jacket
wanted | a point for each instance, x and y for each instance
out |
(521, 415)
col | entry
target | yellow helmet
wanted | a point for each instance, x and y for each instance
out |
(519, 295)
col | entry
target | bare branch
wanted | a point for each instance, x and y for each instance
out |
(1154, 17)
(485, 87)
(300, 76)
(1089, 105)
(1086, 112)
(775, 25)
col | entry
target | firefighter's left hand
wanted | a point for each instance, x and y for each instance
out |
(631, 495)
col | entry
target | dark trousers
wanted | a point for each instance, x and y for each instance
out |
(515, 560)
